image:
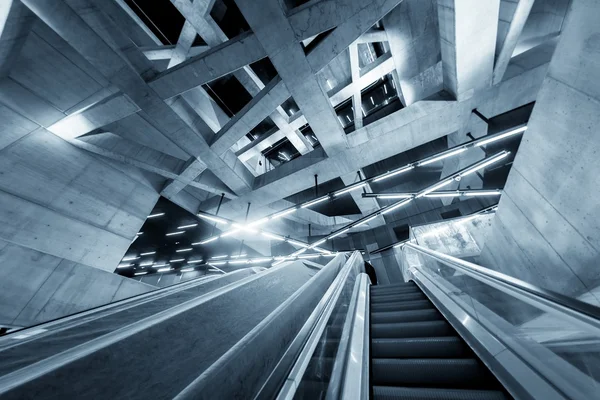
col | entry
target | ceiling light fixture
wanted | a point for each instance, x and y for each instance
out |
(156, 215)
(177, 260)
(184, 250)
(440, 157)
(366, 221)
(485, 164)
(140, 273)
(187, 226)
(394, 173)
(350, 189)
(214, 219)
(212, 239)
(175, 233)
(396, 206)
(435, 187)
(484, 193)
(501, 136)
(270, 236)
(283, 213)
(339, 233)
(164, 269)
(148, 253)
(129, 258)
(317, 201)
(125, 266)
(320, 242)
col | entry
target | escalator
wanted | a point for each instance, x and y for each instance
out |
(417, 355)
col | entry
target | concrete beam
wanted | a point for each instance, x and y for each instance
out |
(356, 100)
(468, 31)
(373, 36)
(186, 177)
(208, 66)
(413, 35)
(154, 53)
(15, 24)
(505, 51)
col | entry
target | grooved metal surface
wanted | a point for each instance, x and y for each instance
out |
(404, 393)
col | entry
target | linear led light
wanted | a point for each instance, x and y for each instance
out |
(261, 260)
(453, 194)
(218, 257)
(124, 265)
(349, 189)
(214, 219)
(296, 253)
(177, 260)
(318, 243)
(148, 253)
(159, 265)
(396, 206)
(212, 239)
(298, 243)
(175, 233)
(194, 261)
(365, 221)
(156, 215)
(339, 233)
(258, 222)
(501, 136)
(484, 193)
(440, 157)
(485, 164)
(187, 269)
(140, 273)
(320, 250)
(236, 262)
(164, 269)
(330, 255)
(239, 255)
(218, 263)
(139, 233)
(435, 187)
(184, 250)
(395, 196)
(309, 256)
(283, 213)
(231, 232)
(394, 173)
(312, 203)
(187, 226)
(147, 264)
(270, 236)
(129, 258)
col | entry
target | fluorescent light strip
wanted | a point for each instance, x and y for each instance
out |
(395, 196)
(159, 265)
(435, 187)
(339, 233)
(146, 264)
(312, 203)
(174, 233)
(206, 241)
(365, 221)
(320, 250)
(394, 173)
(194, 261)
(218, 257)
(258, 222)
(148, 253)
(218, 263)
(298, 252)
(129, 258)
(187, 226)
(156, 215)
(184, 250)
(214, 219)
(485, 164)
(484, 193)
(455, 194)
(177, 260)
(349, 189)
(283, 213)
(125, 266)
(309, 256)
(140, 273)
(261, 260)
(164, 269)
(236, 262)
(298, 243)
(139, 233)
(270, 236)
(397, 206)
(320, 242)
(441, 157)
(501, 136)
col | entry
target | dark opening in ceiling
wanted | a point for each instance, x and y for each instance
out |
(264, 69)
(161, 17)
(229, 18)
(229, 94)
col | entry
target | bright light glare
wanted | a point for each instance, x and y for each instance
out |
(349, 190)
(270, 236)
(394, 173)
(312, 203)
(454, 194)
(339, 233)
(395, 207)
(156, 215)
(206, 241)
(229, 233)
(187, 226)
(140, 273)
(441, 157)
(435, 187)
(281, 214)
(213, 219)
(218, 257)
(164, 269)
(484, 193)
(501, 136)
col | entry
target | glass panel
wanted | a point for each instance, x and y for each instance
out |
(565, 351)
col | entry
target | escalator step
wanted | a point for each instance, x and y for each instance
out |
(428, 347)
(407, 393)
(402, 305)
(452, 373)
(384, 290)
(412, 329)
(405, 316)
(397, 297)
(395, 285)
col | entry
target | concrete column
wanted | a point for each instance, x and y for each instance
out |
(468, 31)
(356, 100)
(546, 229)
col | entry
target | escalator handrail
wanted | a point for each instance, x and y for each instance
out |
(578, 309)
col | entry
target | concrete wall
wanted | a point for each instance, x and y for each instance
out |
(547, 229)
(66, 216)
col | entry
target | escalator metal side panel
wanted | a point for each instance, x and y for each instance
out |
(517, 377)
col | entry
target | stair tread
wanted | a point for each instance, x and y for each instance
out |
(425, 347)
(415, 393)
